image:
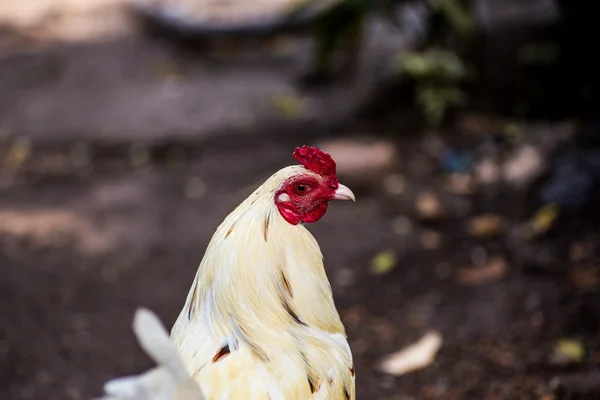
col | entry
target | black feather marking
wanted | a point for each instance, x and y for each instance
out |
(292, 313)
(314, 382)
(346, 394)
(221, 354)
(229, 231)
(352, 370)
(266, 226)
(286, 285)
(257, 351)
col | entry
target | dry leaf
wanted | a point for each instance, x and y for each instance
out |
(586, 278)
(495, 269)
(414, 357)
(487, 225)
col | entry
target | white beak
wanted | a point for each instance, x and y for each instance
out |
(344, 193)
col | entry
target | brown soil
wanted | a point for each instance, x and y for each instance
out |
(80, 249)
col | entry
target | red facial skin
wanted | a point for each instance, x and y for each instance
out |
(309, 197)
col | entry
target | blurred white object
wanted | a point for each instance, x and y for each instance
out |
(225, 15)
(524, 166)
(416, 356)
(494, 13)
(170, 380)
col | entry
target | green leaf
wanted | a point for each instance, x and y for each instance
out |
(383, 262)
(571, 349)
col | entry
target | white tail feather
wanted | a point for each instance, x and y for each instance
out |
(169, 381)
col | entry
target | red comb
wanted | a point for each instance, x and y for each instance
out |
(315, 160)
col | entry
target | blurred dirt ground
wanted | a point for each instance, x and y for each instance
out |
(104, 211)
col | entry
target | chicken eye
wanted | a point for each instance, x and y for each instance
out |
(301, 188)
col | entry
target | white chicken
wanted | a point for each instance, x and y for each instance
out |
(259, 321)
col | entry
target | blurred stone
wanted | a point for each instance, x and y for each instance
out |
(402, 226)
(487, 172)
(428, 206)
(352, 317)
(430, 240)
(486, 225)
(461, 184)
(525, 165)
(362, 161)
(395, 184)
(344, 277)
